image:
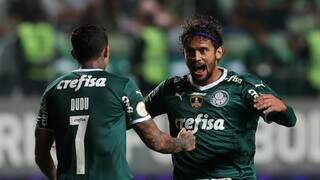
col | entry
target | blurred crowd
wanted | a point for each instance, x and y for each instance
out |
(277, 40)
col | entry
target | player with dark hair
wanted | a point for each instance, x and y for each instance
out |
(87, 111)
(220, 107)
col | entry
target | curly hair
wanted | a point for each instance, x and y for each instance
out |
(202, 25)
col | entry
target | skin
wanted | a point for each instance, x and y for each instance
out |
(148, 131)
(44, 140)
(162, 142)
(268, 103)
(201, 51)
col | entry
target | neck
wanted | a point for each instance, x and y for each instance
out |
(216, 74)
(93, 64)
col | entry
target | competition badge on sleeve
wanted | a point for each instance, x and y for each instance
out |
(141, 109)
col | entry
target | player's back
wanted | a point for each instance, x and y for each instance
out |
(88, 118)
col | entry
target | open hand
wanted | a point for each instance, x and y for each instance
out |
(188, 139)
(269, 103)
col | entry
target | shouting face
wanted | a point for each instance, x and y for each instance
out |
(202, 59)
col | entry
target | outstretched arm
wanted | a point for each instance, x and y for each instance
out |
(275, 110)
(43, 144)
(163, 142)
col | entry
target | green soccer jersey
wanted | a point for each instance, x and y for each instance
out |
(222, 117)
(89, 111)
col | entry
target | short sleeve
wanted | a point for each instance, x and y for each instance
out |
(43, 115)
(155, 100)
(134, 104)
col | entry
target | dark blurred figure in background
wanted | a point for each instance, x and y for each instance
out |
(35, 45)
(8, 64)
(261, 60)
(150, 55)
(153, 25)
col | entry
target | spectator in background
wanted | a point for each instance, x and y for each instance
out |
(261, 59)
(313, 39)
(8, 60)
(35, 45)
(211, 8)
(65, 14)
(150, 56)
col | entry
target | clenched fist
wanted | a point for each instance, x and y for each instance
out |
(188, 139)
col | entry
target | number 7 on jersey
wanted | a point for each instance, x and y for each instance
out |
(81, 122)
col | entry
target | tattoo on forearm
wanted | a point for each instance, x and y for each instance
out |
(158, 140)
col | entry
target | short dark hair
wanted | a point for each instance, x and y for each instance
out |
(88, 42)
(202, 25)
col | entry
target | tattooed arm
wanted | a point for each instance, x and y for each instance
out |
(162, 142)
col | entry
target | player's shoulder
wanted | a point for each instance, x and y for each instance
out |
(251, 79)
(175, 83)
(117, 79)
(233, 78)
(51, 86)
(119, 84)
(241, 79)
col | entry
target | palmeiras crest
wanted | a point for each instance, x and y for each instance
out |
(196, 101)
(219, 98)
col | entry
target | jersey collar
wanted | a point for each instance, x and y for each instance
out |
(208, 86)
(86, 70)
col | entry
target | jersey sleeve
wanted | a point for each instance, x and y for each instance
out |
(252, 88)
(154, 100)
(44, 118)
(43, 114)
(134, 104)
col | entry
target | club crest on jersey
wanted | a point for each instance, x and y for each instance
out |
(196, 101)
(219, 98)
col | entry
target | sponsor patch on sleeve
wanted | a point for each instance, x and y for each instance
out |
(141, 109)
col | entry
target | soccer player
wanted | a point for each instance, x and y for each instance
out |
(219, 106)
(87, 111)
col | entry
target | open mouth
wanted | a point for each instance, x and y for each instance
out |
(198, 68)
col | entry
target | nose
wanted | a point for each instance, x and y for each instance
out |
(197, 56)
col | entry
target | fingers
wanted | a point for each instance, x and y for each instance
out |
(189, 139)
(182, 131)
(268, 103)
(268, 110)
(264, 96)
(263, 104)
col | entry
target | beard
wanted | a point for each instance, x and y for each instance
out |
(201, 80)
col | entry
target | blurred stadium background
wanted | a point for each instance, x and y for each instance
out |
(278, 40)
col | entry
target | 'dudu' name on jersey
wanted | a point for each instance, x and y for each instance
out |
(202, 121)
(84, 80)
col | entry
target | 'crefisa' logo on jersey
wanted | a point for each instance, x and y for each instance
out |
(84, 80)
(202, 121)
(219, 98)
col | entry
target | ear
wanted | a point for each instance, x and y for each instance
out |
(219, 52)
(106, 52)
(74, 55)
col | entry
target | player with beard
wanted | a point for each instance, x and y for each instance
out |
(220, 107)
